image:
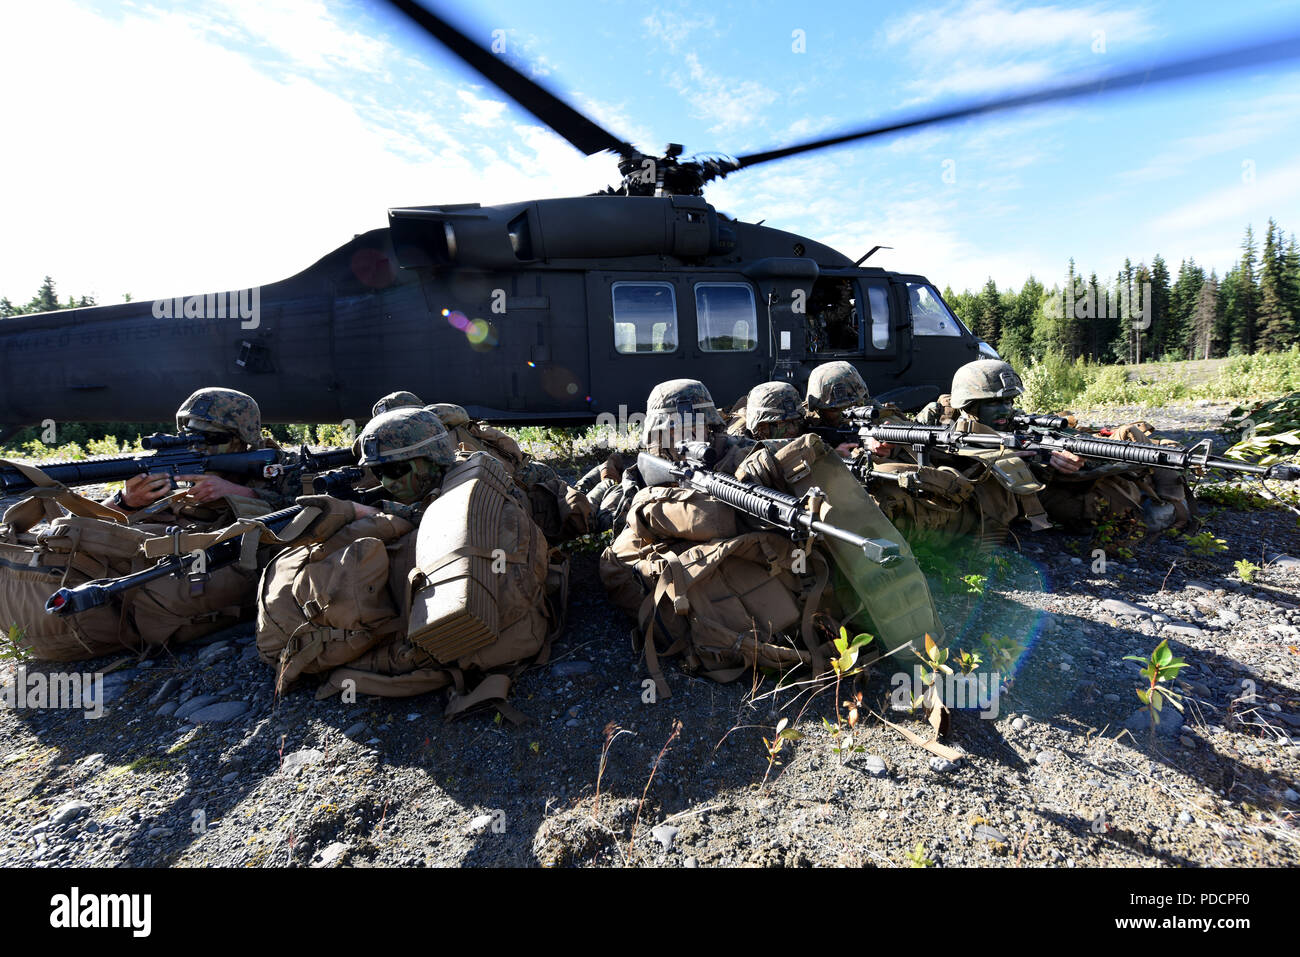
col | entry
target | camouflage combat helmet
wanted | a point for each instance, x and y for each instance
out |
(452, 416)
(670, 400)
(396, 400)
(224, 410)
(836, 385)
(772, 402)
(984, 379)
(404, 434)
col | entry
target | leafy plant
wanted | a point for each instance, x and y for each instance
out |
(975, 584)
(844, 665)
(933, 661)
(968, 661)
(918, 857)
(1161, 669)
(1205, 543)
(782, 735)
(13, 649)
(1245, 569)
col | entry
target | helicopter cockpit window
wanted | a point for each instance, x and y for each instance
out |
(930, 317)
(645, 317)
(726, 317)
(834, 320)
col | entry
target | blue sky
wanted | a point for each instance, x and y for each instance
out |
(168, 149)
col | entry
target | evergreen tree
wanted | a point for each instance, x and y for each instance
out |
(988, 313)
(1182, 309)
(1160, 318)
(1205, 319)
(1246, 305)
(7, 308)
(1018, 318)
(45, 300)
(1276, 331)
(1291, 282)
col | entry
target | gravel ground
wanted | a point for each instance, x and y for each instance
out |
(195, 762)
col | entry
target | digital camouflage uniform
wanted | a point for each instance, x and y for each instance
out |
(671, 405)
(232, 412)
(1118, 503)
(416, 437)
(396, 400)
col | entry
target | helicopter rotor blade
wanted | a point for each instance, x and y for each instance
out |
(580, 130)
(1219, 62)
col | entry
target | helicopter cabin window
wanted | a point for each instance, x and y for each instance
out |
(878, 304)
(645, 317)
(930, 317)
(726, 317)
(834, 322)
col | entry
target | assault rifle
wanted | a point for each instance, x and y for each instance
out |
(1040, 445)
(195, 565)
(177, 455)
(341, 483)
(790, 514)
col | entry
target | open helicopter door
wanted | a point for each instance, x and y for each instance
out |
(786, 287)
(649, 327)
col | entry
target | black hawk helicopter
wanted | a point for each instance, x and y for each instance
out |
(554, 310)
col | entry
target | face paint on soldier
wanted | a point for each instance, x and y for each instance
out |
(782, 430)
(995, 413)
(409, 482)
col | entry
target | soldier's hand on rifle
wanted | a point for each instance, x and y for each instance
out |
(209, 488)
(881, 450)
(845, 449)
(364, 511)
(1066, 462)
(144, 490)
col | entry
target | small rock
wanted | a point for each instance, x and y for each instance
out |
(295, 762)
(1065, 666)
(329, 854)
(941, 765)
(167, 710)
(665, 834)
(194, 704)
(1198, 586)
(217, 713)
(1076, 561)
(568, 669)
(214, 651)
(1127, 609)
(1184, 817)
(68, 812)
(689, 862)
(414, 716)
(1111, 697)
(1170, 722)
(169, 688)
(985, 833)
(1290, 795)
(1182, 629)
(1159, 617)
(480, 822)
(228, 778)
(1018, 724)
(876, 766)
(1044, 757)
(1186, 741)
(572, 723)
(356, 730)
(159, 832)
(1284, 562)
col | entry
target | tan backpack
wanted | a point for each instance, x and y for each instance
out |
(95, 542)
(728, 601)
(381, 608)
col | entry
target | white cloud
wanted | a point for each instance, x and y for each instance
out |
(162, 162)
(993, 45)
(673, 29)
(725, 103)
